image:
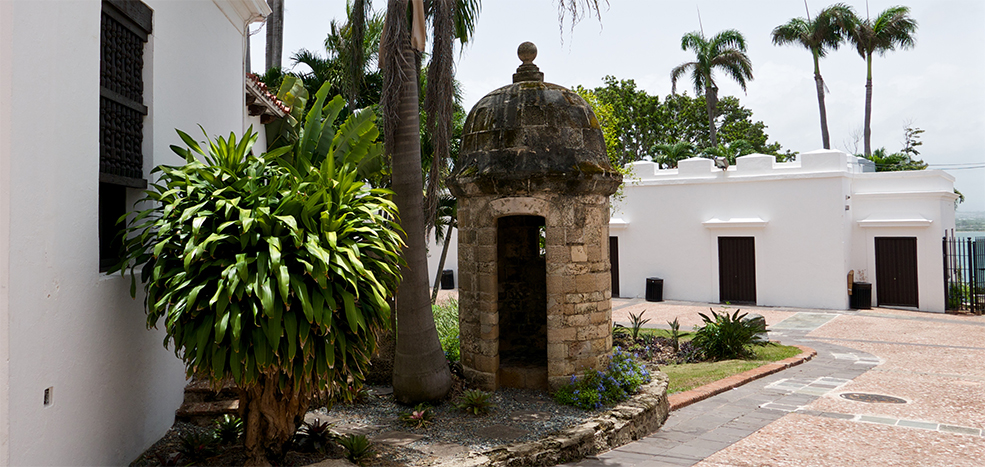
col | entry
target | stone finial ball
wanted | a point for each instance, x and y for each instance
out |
(527, 52)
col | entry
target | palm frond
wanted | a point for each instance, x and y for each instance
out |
(679, 71)
(466, 17)
(728, 39)
(736, 65)
(891, 29)
(575, 11)
(797, 30)
(438, 100)
(694, 41)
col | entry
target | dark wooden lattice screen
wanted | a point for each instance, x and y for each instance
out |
(125, 26)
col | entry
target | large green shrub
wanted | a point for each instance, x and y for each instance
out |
(274, 271)
(724, 336)
(446, 323)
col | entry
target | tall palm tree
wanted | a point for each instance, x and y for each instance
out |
(726, 51)
(826, 31)
(275, 34)
(891, 29)
(420, 372)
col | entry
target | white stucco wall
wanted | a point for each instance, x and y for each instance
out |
(6, 58)
(63, 324)
(803, 215)
(916, 204)
(434, 257)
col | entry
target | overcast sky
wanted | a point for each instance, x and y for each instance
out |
(936, 86)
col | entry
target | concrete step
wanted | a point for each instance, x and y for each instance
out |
(202, 391)
(203, 413)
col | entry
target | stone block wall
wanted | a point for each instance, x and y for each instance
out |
(579, 312)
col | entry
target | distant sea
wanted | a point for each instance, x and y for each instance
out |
(969, 234)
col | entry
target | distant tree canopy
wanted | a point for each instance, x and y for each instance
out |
(638, 126)
(905, 159)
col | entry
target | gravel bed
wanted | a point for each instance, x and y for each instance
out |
(519, 416)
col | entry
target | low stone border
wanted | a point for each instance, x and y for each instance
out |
(686, 398)
(636, 418)
(628, 421)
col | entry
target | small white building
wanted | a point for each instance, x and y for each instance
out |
(90, 95)
(783, 234)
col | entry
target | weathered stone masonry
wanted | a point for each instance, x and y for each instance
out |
(533, 183)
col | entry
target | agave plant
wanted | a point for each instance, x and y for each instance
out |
(274, 271)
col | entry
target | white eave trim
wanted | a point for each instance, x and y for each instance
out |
(735, 222)
(946, 195)
(895, 221)
(243, 12)
(618, 224)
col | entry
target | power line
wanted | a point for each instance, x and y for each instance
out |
(964, 168)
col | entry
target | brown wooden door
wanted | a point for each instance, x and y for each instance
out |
(737, 270)
(896, 271)
(614, 262)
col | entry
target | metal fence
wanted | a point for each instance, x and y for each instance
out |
(964, 274)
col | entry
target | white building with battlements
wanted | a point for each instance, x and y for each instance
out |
(783, 234)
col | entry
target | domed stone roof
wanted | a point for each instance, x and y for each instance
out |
(532, 136)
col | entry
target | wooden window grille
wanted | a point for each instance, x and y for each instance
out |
(124, 27)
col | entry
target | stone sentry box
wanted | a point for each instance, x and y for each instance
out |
(533, 184)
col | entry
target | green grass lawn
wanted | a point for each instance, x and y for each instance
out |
(691, 375)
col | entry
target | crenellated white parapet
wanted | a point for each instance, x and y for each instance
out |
(814, 162)
(821, 162)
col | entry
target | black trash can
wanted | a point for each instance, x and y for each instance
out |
(861, 296)
(654, 289)
(447, 279)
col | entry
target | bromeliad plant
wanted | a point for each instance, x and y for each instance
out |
(274, 271)
(421, 417)
(475, 402)
(725, 336)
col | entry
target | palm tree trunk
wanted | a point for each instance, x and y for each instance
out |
(819, 81)
(356, 60)
(275, 33)
(867, 132)
(441, 264)
(711, 101)
(420, 370)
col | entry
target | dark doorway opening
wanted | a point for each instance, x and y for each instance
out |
(522, 302)
(614, 263)
(896, 271)
(737, 270)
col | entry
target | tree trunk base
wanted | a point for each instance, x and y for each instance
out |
(270, 419)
